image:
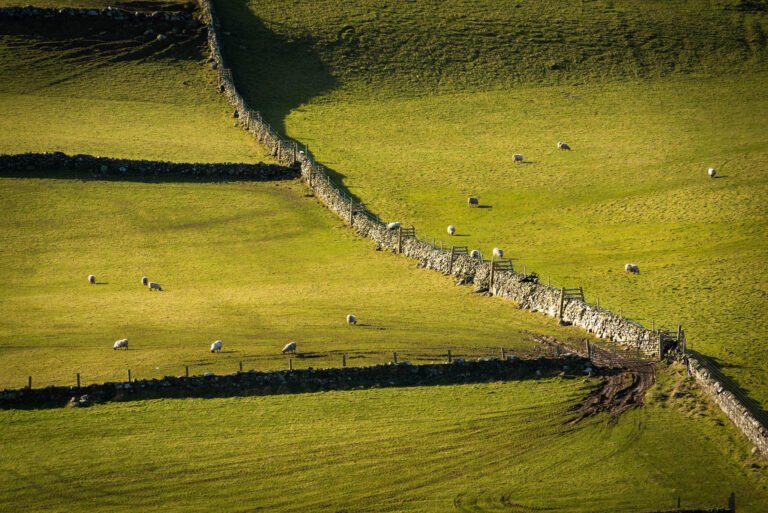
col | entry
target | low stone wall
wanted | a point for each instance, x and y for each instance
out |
(163, 26)
(298, 381)
(285, 152)
(510, 285)
(725, 396)
(182, 18)
(100, 168)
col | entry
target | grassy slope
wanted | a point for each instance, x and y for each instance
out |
(256, 265)
(84, 93)
(650, 101)
(466, 448)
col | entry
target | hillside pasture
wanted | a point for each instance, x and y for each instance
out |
(253, 264)
(88, 88)
(485, 447)
(412, 130)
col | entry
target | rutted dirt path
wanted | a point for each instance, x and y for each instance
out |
(623, 381)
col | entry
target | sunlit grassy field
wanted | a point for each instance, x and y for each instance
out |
(84, 88)
(412, 128)
(260, 264)
(253, 264)
(488, 447)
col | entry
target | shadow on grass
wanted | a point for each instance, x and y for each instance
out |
(714, 366)
(275, 74)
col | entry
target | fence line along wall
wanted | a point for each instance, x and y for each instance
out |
(527, 293)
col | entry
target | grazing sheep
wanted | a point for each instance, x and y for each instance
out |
(517, 157)
(632, 268)
(154, 286)
(475, 254)
(216, 346)
(563, 146)
(120, 344)
(91, 279)
(144, 281)
(711, 172)
(498, 252)
(290, 347)
(472, 201)
(351, 320)
(451, 230)
(394, 225)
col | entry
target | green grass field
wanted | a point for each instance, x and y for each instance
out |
(259, 264)
(88, 89)
(254, 264)
(642, 95)
(489, 447)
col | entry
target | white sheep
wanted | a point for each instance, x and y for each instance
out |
(120, 344)
(451, 230)
(351, 320)
(632, 268)
(517, 157)
(475, 254)
(154, 286)
(498, 252)
(290, 347)
(91, 279)
(144, 281)
(216, 346)
(472, 201)
(394, 225)
(711, 172)
(563, 146)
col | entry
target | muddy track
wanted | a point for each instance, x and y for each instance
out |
(624, 380)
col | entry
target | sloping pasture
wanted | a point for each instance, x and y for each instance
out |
(415, 107)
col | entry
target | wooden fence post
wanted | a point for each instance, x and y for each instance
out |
(561, 307)
(29, 383)
(732, 502)
(290, 364)
(241, 366)
(450, 359)
(660, 344)
(399, 239)
(343, 360)
(187, 370)
(351, 211)
(394, 357)
(490, 285)
(78, 380)
(129, 375)
(503, 354)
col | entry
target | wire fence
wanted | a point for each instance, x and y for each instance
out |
(271, 363)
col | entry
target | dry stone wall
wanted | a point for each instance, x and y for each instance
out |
(90, 167)
(514, 286)
(298, 381)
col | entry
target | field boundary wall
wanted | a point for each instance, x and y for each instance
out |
(520, 288)
(300, 381)
(55, 165)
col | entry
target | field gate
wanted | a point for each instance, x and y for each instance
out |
(456, 252)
